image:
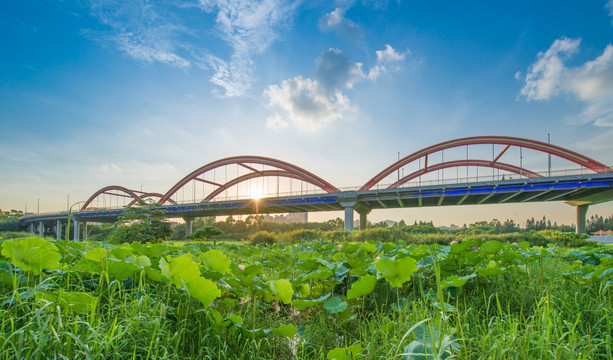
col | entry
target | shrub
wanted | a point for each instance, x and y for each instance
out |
(381, 235)
(17, 234)
(203, 233)
(155, 232)
(263, 237)
(337, 235)
(298, 235)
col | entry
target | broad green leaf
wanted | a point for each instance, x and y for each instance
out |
(141, 261)
(456, 281)
(418, 351)
(70, 302)
(364, 286)
(120, 269)
(335, 305)
(396, 272)
(303, 304)
(32, 254)
(97, 254)
(344, 353)
(304, 290)
(285, 330)
(490, 247)
(215, 260)
(202, 289)
(180, 267)
(282, 289)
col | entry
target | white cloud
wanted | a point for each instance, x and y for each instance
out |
(609, 6)
(276, 122)
(151, 32)
(591, 82)
(547, 76)
(313, 104)
(390, 55)
(249, 27)
(336, 21)
(110, 168)
(335, 70)
(308, 105)
(141, 30)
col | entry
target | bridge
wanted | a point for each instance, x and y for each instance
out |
(427, 183)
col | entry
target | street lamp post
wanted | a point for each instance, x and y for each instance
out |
(69, 216)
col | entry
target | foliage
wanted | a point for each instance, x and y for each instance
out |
(205, 232)
(141, 224)
(262, 238)
(475, 298)
(298, 235)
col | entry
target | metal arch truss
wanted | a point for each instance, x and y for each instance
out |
(135, 195)
(558, 151)
(284, 170)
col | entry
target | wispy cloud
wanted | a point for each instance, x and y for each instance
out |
(609, 6)
(591, 82)
(310, 104)
(152, 32)
(141, 30)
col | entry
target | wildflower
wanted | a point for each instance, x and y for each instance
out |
(241, 266)
(453, 242)
(514, 243)
(475, 247)
(340, 246)
(378, 257)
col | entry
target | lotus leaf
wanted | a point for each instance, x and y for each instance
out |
(32, 254)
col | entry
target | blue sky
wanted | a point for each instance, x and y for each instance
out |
(140, 93)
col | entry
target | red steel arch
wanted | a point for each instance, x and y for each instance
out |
(285, 169)
(558, 151)
(456, 163)
(150, 195)
(128, 193)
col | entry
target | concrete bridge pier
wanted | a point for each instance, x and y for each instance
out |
(84, 230)
(32, 230)
(76, 230)
(189, 222)
(363, 211)
(58, 230)
(581, 215)
(41, 229)
(348, 203)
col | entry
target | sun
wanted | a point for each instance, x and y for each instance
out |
(256, 194)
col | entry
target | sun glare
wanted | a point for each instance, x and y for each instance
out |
(256, 194)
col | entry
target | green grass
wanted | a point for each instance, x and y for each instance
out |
(526, 312)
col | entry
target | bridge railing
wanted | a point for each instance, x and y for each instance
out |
(417, 182)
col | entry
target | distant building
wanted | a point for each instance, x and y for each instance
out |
(450, 227)
(390, 223)
(301, 217)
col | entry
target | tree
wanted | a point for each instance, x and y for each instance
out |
(203, 233)
(141, 224)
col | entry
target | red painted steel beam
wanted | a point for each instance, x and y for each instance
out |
(150, 195)
(254, 175)
(290, 168)
(558, 151)
(104, 190)
(461, 163)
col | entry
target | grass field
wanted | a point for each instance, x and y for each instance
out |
(307, 300)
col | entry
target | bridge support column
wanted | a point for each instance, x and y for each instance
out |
(189, 222)
(363, 217)
(76, 230)
(58, 230)
(349, 218)
(84, 230)
(32, 230)
(41, 229)
(581, 215)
